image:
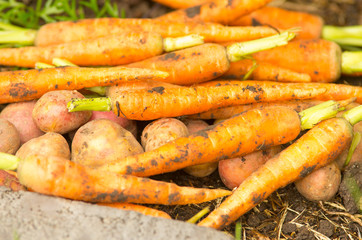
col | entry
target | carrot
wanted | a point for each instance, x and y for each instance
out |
(53, 175)
(321, 59)
(23, 85)
(10, 181)
(173, 102)
(180, 3)
(311, 25)
(219, 11)
(138, 208)
(318, 147)
(110, 50)
(263, 71)
(239, 135)
(209, 61)
(67, 31)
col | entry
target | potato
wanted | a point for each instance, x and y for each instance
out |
(9, 137)
(102, 141)
(234, 171)
(51, 114)
(321, 184)
(20, 114)
(161, 131)
(128, 124)
(49, 144)
(200, 170)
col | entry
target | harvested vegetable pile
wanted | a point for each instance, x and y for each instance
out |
(243, 118)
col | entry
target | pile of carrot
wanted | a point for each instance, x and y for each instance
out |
(268, 77)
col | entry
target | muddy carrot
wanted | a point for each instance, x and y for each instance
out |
(311, 25)
(263, 71)
(110, 50)
(209, 61)
(23, 85)
(218, 11)
(318, 147)
(177, 4)
(61, 177)
(138, 208)
(244, 133)
(67, 31)
(173, 102)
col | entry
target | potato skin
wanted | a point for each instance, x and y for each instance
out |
(101, 141)
(320, 185)
(161, 131)
(49, 144)
(234, 171)
(51, 114)
(20, 114)
(9, 137)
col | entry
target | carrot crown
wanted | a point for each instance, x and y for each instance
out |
(172, 44)
(352, 62)
(11, 34)
(353, 115)
(8, 161)
(344, 36)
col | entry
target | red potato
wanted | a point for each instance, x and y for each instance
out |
(51, 114)
(9, 137)
(102, 141)
(235, 170)
(320, 185)
(200, 170)
(128, 124)
(49, 144)
(20, 114)
(161, 131)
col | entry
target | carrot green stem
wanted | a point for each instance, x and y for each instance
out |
(8, 161)
(355, 141)
(247, 75)
(172, 44)
(89, 104)
(238, 230)
(41, 65)
(11, 27)
(22, 37)
(353, 115)
(351, 62)
(355, 42)
(199, 215)
(313, 115)
(237, 51)
(335, 32)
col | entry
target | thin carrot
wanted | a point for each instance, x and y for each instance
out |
(173, 102)
(138, 208)
(67, 31)
(177, 4)
(110, 50)
(239, 135)
(321, 59)
(61, 177)
(318, 147)
(10, 181)
(311, 25)
(23, 85)
(219, 11)
(263, 71)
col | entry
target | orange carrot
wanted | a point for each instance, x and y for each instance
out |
(311, 25)
(218, 11)
(318, 147)
(177, 4)
(321, 59)
(138, 208)
(241, 134)
(263, 71)
(23, 85)
(67, 31)
(61, 177)
(111, 50)
(173, 102)
(10, 180)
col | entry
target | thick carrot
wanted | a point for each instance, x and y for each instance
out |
(23, 85)
(318, 147)
(311, 25)
(67, 31)
(173, 102)
(242, 134)
(177, 4)
(138, 208)
(110, 50)
(263, 71)
(218, 11)
(61, 177)
(321, 59)
(10, 181)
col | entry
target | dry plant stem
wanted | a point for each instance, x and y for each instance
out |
(352, 217)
